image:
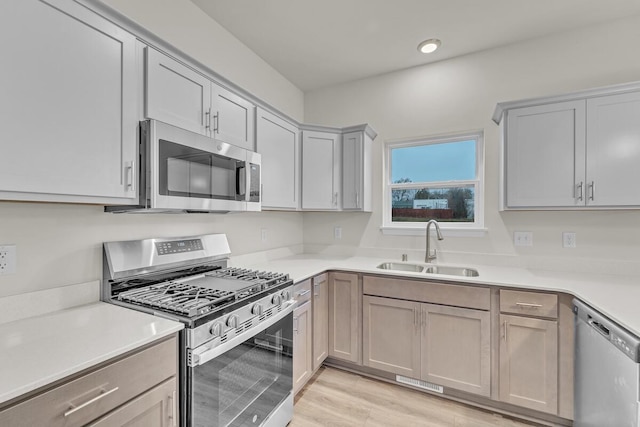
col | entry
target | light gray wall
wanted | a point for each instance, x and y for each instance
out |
(60, 244)
(461, 94)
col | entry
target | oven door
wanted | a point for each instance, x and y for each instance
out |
(246, 383)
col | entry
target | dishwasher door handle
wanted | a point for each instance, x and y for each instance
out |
(603, 330)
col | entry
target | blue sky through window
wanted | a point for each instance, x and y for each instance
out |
(435, 162)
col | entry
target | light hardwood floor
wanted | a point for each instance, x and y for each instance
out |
(338, 398)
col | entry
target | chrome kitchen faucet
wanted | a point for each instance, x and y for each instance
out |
(431, 256)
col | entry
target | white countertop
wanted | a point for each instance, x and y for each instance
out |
(39, 350)
(618, 297)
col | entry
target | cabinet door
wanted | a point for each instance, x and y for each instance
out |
(302, 368)
(613, 150)
(279, 144)
(391, 335)
(157, 407)
(356, 171)
(320, 319)
(545, 155)
(176, 94)
(233, 118)
(68, 105)
(344, 317)
(456, 348)
(529, 362)
(320, 170)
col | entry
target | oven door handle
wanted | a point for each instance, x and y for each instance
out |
(202, 355)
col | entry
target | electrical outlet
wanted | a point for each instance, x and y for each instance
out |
(7, 259)
(523, 238)
(337, 233)
(263, 234)
(568, 239)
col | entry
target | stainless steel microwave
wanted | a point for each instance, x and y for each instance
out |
(182, 171)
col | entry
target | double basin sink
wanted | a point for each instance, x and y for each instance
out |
(429, 269)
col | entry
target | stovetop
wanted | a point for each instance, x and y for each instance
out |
(200, 294)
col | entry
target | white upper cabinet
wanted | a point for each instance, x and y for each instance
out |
(357, 150)
(613, 150)
(544, 149)
(573, 151)
(278, 142)
(233, 118)
(321, 170)
(178, 95)
(68, 105)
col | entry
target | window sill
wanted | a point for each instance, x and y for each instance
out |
(446, 231)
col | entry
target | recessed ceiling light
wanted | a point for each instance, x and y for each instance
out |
(429, 46)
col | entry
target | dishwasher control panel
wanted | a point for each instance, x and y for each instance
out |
(622, 339)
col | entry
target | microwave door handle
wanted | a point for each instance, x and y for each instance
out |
(241, 181)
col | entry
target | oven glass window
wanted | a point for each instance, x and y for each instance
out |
(242, 386)
(189, 172)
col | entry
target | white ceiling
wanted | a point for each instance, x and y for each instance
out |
(317, 43)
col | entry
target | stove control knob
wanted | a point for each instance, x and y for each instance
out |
(286, 295)
(256, 310)
(232, 321)
(216, 329)
(276, 300)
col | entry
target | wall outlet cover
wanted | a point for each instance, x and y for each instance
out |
(568, 239)
(523, 238)
(8, 259)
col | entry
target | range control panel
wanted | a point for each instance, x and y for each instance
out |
(178, 246)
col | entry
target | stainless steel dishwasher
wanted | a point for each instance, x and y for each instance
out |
(607, 375)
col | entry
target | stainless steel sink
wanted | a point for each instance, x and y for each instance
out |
(416, 268)
(451, 271)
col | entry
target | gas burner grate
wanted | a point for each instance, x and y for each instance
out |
(178, 297)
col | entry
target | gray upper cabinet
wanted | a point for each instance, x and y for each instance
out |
(68, 105)
(613, 150)
(545, 149)
(178, 95)
(357, 148)
(278, 141)
(578, 150)
(321, 170)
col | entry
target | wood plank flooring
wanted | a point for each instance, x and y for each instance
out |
(338, 398)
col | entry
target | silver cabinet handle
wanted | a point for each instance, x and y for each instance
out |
(593, 190)
(174, 408)
(528, 305)
(580, 191)
(130, 174)
(295, 325)
(90, 401)
(415, 316)
(207, 119)
(216, 122)
(315, 289)
(357, 200)
(504, 325)
(303, 293)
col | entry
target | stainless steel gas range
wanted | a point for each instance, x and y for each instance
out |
(236, 348)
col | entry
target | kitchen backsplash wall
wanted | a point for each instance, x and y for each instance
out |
(459, 95)
(61, 244)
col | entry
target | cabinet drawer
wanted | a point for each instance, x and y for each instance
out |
(90, 396)
(529, 303)
(436, 293)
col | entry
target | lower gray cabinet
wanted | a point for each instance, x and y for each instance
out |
(141, 386)
(447, 346)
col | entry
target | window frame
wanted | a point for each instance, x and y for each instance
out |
(475, 228)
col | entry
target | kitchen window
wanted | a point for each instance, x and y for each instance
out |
(437, 178)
